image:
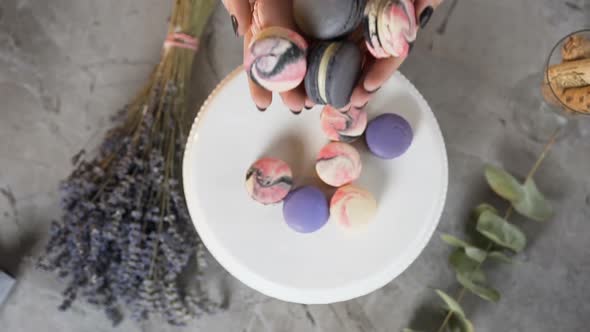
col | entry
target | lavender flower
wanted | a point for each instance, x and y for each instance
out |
(126, 238)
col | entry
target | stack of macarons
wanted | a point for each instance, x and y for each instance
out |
(280, 59)
(338, 164)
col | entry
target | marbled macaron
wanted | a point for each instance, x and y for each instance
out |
(333, 70)
(352, 206)
(306, 209)
(328, 19)
(338, 164)
(276, 59)
(343, 126)
(390, 27)
(389, 136)
(269, 180)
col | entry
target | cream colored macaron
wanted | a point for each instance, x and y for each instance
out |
(352, 207)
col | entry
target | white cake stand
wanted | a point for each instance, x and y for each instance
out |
(254, 243)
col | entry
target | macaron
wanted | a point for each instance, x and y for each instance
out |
(269, 180)
(333, 70)
(388, 136)
(390, 27)
(306, 209)
(352, 207)
(276, 59)
(338, 164)
(328, 19)
(343, 126)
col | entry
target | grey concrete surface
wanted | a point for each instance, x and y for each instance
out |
(67, 65)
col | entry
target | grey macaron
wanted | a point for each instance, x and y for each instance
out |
(333, 69)
(328, 19)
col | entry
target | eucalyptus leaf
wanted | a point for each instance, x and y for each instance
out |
(462, 263)
(477, 276)
(533, 204)
(476, 254)
(455, 242)
(460, 324)
(484, 292)
(500, 256)
(504, 184)
(483, 207)
(465, 324)
(500, 231)
(452, 305)
(454, 325)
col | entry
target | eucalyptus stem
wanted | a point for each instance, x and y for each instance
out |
(507, 215)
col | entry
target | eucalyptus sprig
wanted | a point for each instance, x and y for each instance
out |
(503, 239)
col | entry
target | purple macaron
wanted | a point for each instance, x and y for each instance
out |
(388, 136)
(306, 209)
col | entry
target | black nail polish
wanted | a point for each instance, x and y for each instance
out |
(308, 108)
(234, 23)
(425, 16)
(296, 112)
(260, 108)
(411, 47)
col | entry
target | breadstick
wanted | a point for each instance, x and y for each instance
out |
(575, 48)
(570, 74)
(578, 99)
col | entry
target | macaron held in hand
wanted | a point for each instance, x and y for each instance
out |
(276, 59)
(333, 71)
(390, 27)
(328, 19)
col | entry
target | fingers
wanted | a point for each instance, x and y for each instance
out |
(241, 15)
(261, 97)
(424, 10)
(267, 13)
(378, 72)
(294, 99)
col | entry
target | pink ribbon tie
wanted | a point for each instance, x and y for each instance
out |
(181, 40)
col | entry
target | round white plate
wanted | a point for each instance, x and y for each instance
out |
(254, 243)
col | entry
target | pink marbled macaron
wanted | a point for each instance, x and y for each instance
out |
(391, 27)
(343, 126)
(277, 59)
(338, 164)
(352, 207)
(269, 180)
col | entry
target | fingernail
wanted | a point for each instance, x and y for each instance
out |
(234, 23)
(365, 104)
(425, 16)
(308, 108)
(411, 47)
(261, 109)
(296, 112)
(373, 91)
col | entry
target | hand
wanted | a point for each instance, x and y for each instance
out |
(248, 17)
(377, 71)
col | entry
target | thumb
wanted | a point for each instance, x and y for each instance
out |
(240, 13)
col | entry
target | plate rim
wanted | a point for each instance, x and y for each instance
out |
(310, 296)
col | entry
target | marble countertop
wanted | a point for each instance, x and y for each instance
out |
(66, 66)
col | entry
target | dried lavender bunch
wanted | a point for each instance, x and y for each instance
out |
(126, 237)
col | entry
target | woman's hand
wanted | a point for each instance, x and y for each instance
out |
(377, 71)
(248, 17)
